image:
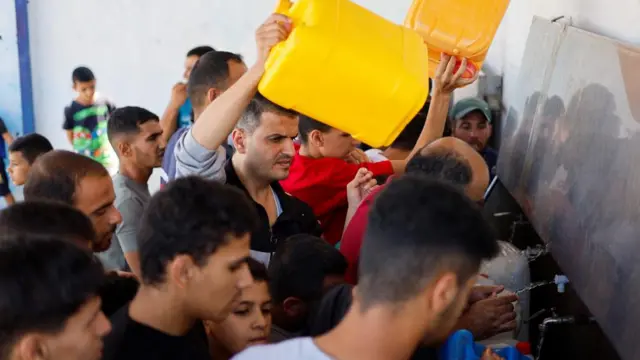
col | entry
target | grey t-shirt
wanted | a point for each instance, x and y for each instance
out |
(131, 199)
(298, 349)
(194, 159)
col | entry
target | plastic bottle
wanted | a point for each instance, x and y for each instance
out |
(460, 346)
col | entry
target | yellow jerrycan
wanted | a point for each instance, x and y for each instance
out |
(464, 28)
(349, 68)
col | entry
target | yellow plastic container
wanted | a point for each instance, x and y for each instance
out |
(464, 28)
(348, 68)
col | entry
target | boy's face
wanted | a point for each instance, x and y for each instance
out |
(18, 168)
(85, 90)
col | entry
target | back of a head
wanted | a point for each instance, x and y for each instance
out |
(44, 282)
(200, 50)
(210, 72)
(126, 120)
(446, 166)
(300, 265)
(190, 216)
(306, 125)
(55, 175)
(418, 228)
(258, 270)
(259, 105)
(31, 146)
(43, 218)
(82, 74)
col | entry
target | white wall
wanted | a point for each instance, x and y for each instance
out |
(136, 48)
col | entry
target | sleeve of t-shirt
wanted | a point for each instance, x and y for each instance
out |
(194, 159)
(130, 210)
(3, 127)
(68, 119)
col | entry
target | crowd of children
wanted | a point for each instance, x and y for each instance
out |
(274, 236)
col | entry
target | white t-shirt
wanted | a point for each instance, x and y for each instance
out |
(299, 349)
(375, 155)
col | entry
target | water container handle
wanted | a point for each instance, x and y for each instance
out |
(283, 7)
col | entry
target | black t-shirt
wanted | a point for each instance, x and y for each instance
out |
(130, 339)
(116, 292)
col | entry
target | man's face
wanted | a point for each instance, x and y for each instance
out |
(189, 62)
(81, 337)
(95, 197)
(215, 288)
(85, 90)
(147, 146)
(474, 129)
(335, 143)
(269, 149)
(18, 168)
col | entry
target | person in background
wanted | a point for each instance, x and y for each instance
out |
(249, 323)
(23, 152)
(263, 139)
(47, 218)
(78, 181)
(193, 261)
(136, 136)
(214, 73)
(319, 174)
(85, 120)
(471, 121)
(448, 159)
(49, 300)
(179, 113)
(303, 269)
(5, 140)
(424, 244)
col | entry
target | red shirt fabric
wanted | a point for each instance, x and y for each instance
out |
(322, 184)
(353, 235)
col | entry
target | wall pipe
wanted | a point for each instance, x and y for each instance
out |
(24, 58)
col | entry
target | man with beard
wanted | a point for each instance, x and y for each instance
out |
(471, 121)
(136, 136)
(262, 134)
(78, 181)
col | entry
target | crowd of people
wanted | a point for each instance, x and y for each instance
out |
(274, 236)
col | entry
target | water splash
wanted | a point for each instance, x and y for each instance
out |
(535, 285)
(533, 253)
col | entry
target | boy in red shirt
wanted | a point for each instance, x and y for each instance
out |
(319, 173)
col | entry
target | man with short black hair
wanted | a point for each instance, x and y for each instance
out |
(49, 300)
(179, 113)
(214, 74)
(136, 136)
(193, 245)
(424, 244)
(81, 182)
(23, 152)
(302, 269)
(262, 134)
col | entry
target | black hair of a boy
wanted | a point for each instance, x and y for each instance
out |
(200, 50)
(31, 146)
(82, 74)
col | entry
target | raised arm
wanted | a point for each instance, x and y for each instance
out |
(444, 83)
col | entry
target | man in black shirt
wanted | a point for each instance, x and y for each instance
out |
(193, 243)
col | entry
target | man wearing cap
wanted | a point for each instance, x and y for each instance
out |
(471, 122)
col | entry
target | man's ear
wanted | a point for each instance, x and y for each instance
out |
(293, 306)
(316, 138)
(212, 94)
(181, 270)
(124, 148)
(239, 138)
(442, 293)
(32, 346)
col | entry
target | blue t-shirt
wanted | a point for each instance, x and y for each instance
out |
(491, 158)
(185, 115)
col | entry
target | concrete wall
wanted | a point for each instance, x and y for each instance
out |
(136, 48)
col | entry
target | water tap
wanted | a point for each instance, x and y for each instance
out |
(561, 281)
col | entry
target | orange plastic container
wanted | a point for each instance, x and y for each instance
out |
(348, 68)
(464, 28)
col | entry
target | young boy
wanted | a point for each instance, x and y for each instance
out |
(23, 152)
(85, 120)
